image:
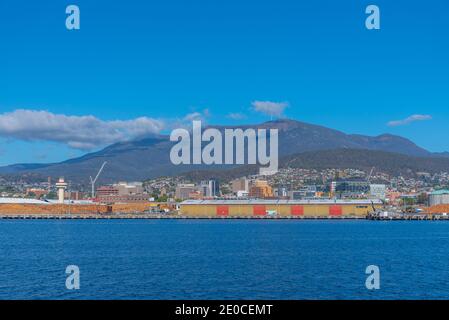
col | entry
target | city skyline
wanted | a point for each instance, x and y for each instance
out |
(138, 68)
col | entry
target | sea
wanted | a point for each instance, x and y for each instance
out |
(224, 259)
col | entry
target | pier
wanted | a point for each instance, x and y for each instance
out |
(407, 216)
(391, 217)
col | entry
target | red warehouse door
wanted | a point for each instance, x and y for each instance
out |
(297, 210)
(259, 210)
(222, 210)
(335, 210)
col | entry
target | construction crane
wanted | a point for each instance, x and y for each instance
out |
(92, 181)
(370, 174)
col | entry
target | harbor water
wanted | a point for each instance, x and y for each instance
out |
(224, 259)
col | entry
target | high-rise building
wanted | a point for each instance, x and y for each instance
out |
(204, 188)
(184, 190)
(210, 188)
(214, 188)
(260, 190)
(241, 184)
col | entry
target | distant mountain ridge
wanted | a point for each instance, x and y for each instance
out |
(149, 158)
(394, 164)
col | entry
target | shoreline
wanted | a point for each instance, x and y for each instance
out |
(179, 217)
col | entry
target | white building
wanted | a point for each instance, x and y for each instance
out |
(241, 184)
(439, 197)
(378, 191)
(128, 188)
(242, 194)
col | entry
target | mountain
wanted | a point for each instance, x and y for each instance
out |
(22, 167)
(149, 158)
(387, 162)
(441, 154)
(296, 137)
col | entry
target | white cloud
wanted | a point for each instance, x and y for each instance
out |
(86, 132)
(79, 132)
(236, 116)
(197, 116)
(408, 120)
(270, 108)
(186, 121)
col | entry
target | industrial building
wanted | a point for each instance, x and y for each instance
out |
(439, 197)
(278, 208)
(350, 188)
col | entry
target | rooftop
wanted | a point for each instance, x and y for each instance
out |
(21, 201)
(440, 192)
(277, 202)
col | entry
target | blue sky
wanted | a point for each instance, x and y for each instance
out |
(167, 60)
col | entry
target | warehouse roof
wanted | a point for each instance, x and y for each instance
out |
(21, 201)
(440, 192)
(277, 202)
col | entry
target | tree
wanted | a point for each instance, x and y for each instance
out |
(408, 202)
(51, 195)
(31, 195)
(423, 199)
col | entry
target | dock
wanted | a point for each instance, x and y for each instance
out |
(117, 216)
(414, 217)
(407, 216)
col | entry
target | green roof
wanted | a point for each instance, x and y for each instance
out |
(440, 192)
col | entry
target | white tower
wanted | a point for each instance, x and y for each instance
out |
(61, 185)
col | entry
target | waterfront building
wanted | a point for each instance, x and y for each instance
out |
(350, 188)
(210, 188)
(106, 191)
(36, 192)
(260, 190)
(281, 208)
(127, 188)
(378, 191)
(306, 192)
(242, 194)
(281, 192)
(74, 195)
(241, 184)
(439, 197)
(214, 188)
(184, 190)
(122, 192)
